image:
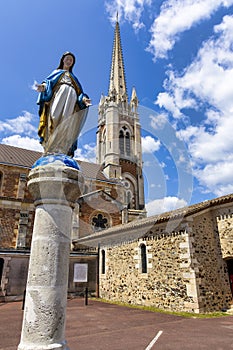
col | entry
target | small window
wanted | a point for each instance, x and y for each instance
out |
(23, 219)
(143, 258)
(104, 142)
(22, 229)
(1, 178)
(103, 262)
(21, 185)
(99, 222)
(23, 177)
(1, 269)
(129, 199)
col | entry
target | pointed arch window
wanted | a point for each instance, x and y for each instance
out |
(127, 143)
(143, 258)
(104, 142)
(121, 141)
(129, 199)
(124, 141)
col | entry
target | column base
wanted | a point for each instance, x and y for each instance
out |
(55, 346)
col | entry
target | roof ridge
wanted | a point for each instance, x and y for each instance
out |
(186, 211)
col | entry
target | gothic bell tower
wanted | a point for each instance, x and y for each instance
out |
(119, 148)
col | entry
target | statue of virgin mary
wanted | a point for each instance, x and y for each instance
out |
(63, 108)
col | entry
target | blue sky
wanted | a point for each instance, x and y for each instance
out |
(177, 53)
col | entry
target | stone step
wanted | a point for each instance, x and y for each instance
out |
(230, 310)
(2, 299)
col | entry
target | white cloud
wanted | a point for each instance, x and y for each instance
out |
(190, 132)
(162, 164)
(217, 177)
(130, 10)
(208, 80)
(208, 147)
(22, 124)
(177, 16)
(20, 132)
(150, 145)
(23, 142)
(169, 103)
(86, 153)
(159, 121)
(159, 206)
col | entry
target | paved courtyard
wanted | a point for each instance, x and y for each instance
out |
(102, 326)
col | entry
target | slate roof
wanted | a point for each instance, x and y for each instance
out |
(101, 191)
(93, 171)
(24, 158)
(15, 156)
(141, 228)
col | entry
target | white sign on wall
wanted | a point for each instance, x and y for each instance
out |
(80, 272)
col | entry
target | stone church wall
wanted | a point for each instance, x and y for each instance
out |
(163, 286)
(225, 228)
(16, 220)
(14, 182)
(8, 226)
(16, 208)
(212, 278)
(185, 269)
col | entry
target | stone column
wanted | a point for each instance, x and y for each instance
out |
(55, 189)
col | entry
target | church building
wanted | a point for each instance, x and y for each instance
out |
(180, 260)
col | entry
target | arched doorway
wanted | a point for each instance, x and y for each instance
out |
(230, 272)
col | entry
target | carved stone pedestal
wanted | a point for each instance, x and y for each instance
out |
(55, 188)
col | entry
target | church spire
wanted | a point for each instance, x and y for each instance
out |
(117, 83)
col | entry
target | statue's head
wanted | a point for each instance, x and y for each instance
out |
(62, 60)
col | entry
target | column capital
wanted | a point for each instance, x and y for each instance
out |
(57, 184)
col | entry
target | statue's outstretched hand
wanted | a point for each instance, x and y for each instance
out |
(40, 87)
(87, 101)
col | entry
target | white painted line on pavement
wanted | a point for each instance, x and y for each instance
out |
(149, 347)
